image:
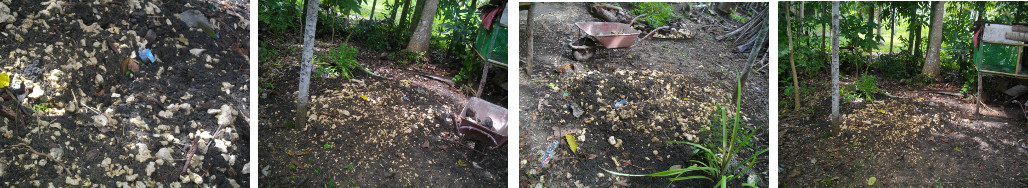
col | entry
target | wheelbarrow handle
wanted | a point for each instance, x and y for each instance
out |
(649, 35)
(633, 19)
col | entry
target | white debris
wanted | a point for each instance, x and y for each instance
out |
(225, 114)
(67, 179)
(144, 152)
(131, 177)
(164, 114)
(197, 179)
(246, 168)
(105, 162)
(5, 14)
(230, 158)
(37, 92)
(100, 120)
(150, 169)
(196, 51)
(233, 183)
(138, 121)
(99, 79)
(165, 154)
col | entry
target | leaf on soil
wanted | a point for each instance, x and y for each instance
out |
(958, 149)
(461, 163)
(348, 166)
(686, 99)
(871, 181)
(425, 145)
(882, 111)
(565, 94)
(406, 81)
(4, 80)
(571, 142)
(363, 97)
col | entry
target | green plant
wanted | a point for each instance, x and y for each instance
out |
(327, 146)
(331, 183)
(39, 107)
(716, 158)
(348, 166)
(408, 56)
(739, 18)
(292, 166)
(865, 87)
(341, 61)
(290, 125)
(657, 13)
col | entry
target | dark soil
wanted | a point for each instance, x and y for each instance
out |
(671, 86)
(914, 138)
(391, 139)
(108, 132)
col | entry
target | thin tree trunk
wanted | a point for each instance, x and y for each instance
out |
(420, 39)
(392, 14)
(931, 64)
(403, 14)
(917, 41)
(836, 118)
(303, 97)
(878, 21)
(802, 29)
(892, 37)
(824, 30)
(792, 63)
(911, 27)
(870, 36)
(416, 20)
(531, 40)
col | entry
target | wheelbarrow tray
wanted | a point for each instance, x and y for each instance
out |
(610, 34)
(495, 134)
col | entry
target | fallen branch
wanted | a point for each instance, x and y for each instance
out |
(43, 154)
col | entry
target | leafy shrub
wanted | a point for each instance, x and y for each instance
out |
(278, 16)
(657, 13)
(378, 36)
(866, 87)
(898, 66)
(339, 61)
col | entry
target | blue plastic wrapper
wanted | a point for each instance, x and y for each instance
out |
(146, 55)
(619, 103)
(548, 154)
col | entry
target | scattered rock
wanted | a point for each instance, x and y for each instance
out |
(612, 140)
(196, 51)
(165, 154)
(144, 152)
(150, 169)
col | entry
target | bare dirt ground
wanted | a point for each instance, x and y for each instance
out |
(88, 123)
(914, 138)
(671, 86)
(393, 138)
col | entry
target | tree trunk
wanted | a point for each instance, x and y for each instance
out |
(416, 20)
(420, 39)
(802, 29)
(878, 21)
(931, 64)
(824, 30)
(870, 36)
(403, 14)
(302, 98)
(836, 118)
(911, 27)
(531, 41)
(373, 4)
(792, 63)
(892, 37)
(917, 41)
(392, 14)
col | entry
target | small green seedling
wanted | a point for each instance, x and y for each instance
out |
(290, 125)
(348, 166)
(317, 170)
(39, 108)
(292, 166)
(327, 146)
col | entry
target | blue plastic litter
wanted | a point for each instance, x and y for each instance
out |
(405, 98)
(619, 103)
(548, 154)
(146, 55)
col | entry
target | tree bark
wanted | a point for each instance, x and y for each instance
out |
(878, 21)
(911, 27)
(931, 64)
(892, 37)
(792, 63)
(420, 39)
(416, 20)
(836, 118)
(917, 41)
(403, 14)
(303, 97)
(870, 36)
(824, 30)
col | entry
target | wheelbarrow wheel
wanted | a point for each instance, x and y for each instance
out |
(583, 54)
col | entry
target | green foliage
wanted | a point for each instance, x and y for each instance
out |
(408, 56)
(279, 16)
(327, 146)
(39, 107)
(657, 13)
(899, 66)
(379, 36)
(716, 158)
(739, 18)
(340, 61)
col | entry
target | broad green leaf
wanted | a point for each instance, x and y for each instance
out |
(871, 181)
(4, 80)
